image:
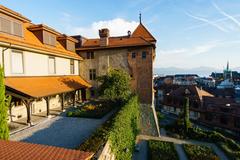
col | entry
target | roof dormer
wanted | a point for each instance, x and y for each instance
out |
(67, 42)
(45, 34)
(11, 22)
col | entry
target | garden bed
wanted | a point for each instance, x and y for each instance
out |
(94, 109)
(161, 150)
(230, 147)
(197, 152)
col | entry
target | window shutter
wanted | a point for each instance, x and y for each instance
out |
(17, 29)
(5, 25)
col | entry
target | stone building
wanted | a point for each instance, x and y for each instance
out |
(134, 53)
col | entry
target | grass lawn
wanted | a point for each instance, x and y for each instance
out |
(197, 152)
(159, 150)
(94, 109)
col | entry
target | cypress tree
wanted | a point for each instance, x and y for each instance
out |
(187, 122)
(4, 102)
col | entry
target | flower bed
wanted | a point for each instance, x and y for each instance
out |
(161, 150)
(92, 110)
(195, 152)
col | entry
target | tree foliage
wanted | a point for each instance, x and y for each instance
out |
(115, 85)
(4, 103)
(187, 123)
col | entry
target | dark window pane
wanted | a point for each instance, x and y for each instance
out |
(88, 55)
(133, 55)
(92, 55)
(144, 55)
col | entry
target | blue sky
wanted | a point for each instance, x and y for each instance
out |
(190, 33)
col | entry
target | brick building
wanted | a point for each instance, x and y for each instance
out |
(134, 53)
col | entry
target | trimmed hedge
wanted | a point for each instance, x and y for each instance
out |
(197, 152)
(229, 146)
(98, 138)
(125, 129)
(161, 150)
(93, 110)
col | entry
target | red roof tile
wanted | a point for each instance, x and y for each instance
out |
(140, 37)
(115, 42)
(10, 150)
(141, 31)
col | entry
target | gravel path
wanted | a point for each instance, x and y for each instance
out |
(60, 131)
(180, 151)
(142, 154)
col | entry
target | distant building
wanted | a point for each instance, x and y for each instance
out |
(206, 82)
(185, 79)
(204, 107)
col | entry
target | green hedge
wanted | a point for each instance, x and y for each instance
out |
(125, 129)
(197, 152)
(161, 150)
(98, 138)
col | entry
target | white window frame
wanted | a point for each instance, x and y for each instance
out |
(72, 64)
(12, 61)
(54, 67)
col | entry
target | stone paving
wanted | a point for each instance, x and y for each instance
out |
(60, 131)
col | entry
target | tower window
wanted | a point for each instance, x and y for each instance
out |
(144, 55)
(133, 55)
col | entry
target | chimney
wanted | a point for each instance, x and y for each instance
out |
(104, 37)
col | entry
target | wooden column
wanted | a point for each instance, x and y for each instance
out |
(47, 102)
(28, 104)
(62, 104)
(83, 94)
(74, 98)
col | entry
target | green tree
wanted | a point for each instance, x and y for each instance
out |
(4, 103)
(187, 123)
(115, 85)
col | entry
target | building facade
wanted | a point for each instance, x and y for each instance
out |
(41, 67)
(133, 53)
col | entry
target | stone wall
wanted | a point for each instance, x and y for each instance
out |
(141, 70)
(106, 153)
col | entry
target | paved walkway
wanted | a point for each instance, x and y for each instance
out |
(60, 131)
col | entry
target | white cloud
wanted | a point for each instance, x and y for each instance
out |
(117, 27)
(232, 18)
(199, 49)
(212, 23)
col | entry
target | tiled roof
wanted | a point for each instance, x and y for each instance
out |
(12, 13)
(140, 37)
(30, 41)
(45, 86)
(10, 150)
(115, 42)
(141, 31)
(194, 92)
